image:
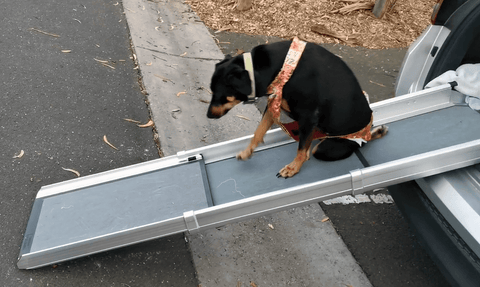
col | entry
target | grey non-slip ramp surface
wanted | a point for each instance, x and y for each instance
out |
(424, 133)
(231, 179)
(88, 220)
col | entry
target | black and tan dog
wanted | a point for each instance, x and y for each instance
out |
(321, 95)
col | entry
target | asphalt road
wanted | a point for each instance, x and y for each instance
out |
(57, 104)
(56, 107)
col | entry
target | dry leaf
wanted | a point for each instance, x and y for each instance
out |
(323, 30)
(203, 88)
(44, 33)
(132, 121)
(325, 219)
(353, 7)
(243, 117)
(19, 155)
(181, 93)
(175, 111)
(163, 78)
(252, 284)
(101, 61)
(240, 51)
(184, 54)
(148, 124)
(222, 29)
(66, 51)
(107, 65)
(377, 84)
(107, 142)
(271, 226)
(72, 170)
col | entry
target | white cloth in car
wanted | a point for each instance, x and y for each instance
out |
(468, 79)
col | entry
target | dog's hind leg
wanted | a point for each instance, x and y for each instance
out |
(332, 149)
(264, 125)
(379, 132)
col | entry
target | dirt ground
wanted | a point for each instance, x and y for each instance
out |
(399, 27)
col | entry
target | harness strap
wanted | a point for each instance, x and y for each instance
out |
(276, 87)
(365, 134)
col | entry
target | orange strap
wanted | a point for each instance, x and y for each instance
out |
(364, 133)
(276, 87)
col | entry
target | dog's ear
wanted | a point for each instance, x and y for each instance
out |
(239, 79)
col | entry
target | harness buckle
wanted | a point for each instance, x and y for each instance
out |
(251, 100)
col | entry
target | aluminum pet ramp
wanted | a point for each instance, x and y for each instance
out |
(430, 132)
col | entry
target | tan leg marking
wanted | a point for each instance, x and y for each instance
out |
(263, 127)
(302, 156)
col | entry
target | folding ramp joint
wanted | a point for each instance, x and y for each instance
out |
(191, 222)
(357, 181)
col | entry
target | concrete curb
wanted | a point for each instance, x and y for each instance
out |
(300, 249)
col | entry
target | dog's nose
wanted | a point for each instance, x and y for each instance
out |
(210, 115)
(215, 111)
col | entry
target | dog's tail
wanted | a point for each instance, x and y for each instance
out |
(379, 132)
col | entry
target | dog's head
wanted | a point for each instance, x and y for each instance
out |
(230, 86)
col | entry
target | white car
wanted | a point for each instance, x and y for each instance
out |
(444, 210)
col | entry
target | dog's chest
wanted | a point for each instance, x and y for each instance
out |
(286, 114)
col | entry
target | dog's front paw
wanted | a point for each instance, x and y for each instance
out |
(245, 154)
(288, 171)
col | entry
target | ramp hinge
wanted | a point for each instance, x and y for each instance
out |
(357, 181)
(191, 221)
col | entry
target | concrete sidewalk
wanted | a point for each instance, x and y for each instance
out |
(176, 56)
